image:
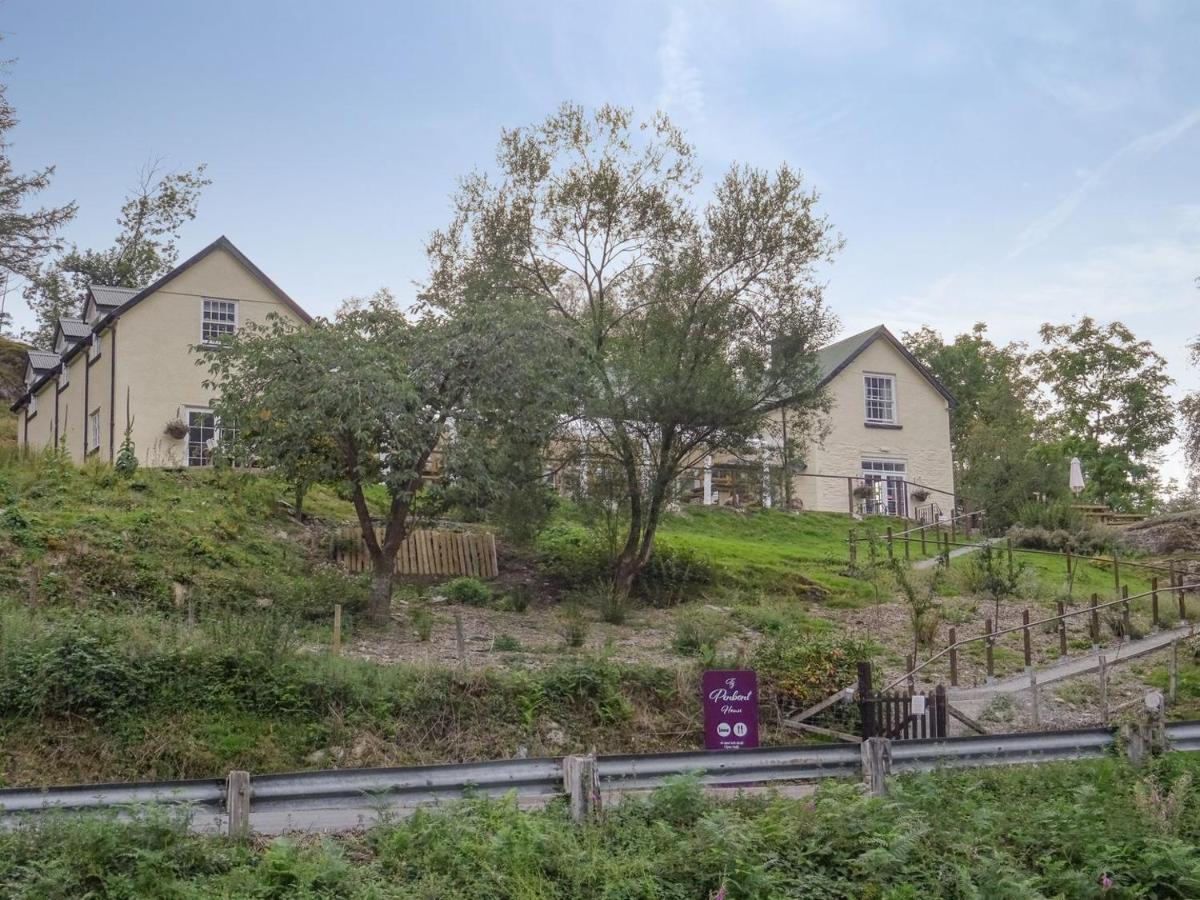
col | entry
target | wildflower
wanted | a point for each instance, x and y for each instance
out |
(1106, 882)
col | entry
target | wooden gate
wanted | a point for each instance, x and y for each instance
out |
(900, 715)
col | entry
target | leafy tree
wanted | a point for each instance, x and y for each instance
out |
(365, 398)
(1108, 406)
(999, 459)
(26, 235)
(689, 326)
(1189, 412)
(145, 249)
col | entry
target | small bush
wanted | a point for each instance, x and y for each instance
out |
(470, 591)
(420, 617)
(517, 599)
(1084, 540)
(573, 625)
(506, 643)
(1057, 515)
(673, 575)
(800, 669)
(699, 633)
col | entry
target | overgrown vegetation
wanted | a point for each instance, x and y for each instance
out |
(1081, 830)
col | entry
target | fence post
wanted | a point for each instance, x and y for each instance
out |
(1067, 555)
(953, 657)
(1178, 579)
(1154, 601)
(1103, 690)
(911, 662)
(1062, 629)
(876, 765)
(337, 628)
(581, 784)
(1116, 574)
(953, 532)
(891, 552)
(866, 703)
(1011, 574)
(1033, 697)
(907, 549)
(923, 550)
(237, 803)
(939, 715)
(988, 646)
(1173, 671)
(1095, 623)
(1126, 625)
(853, 550)
(1027, 644)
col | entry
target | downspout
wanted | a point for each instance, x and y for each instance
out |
(112, 396)
(54, 385)
(87, 377)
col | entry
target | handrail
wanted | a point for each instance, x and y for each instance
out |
(1160, 567)
(995, 634)
(965, 515)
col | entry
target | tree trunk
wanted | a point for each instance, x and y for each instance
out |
(379, 610)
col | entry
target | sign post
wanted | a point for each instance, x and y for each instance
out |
(730, 698)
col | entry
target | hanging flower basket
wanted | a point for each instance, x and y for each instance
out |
(921, 496)
(864, 492)
(176, 429)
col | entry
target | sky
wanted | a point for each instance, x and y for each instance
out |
(1011, 163)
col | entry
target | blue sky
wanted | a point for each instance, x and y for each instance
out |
(1013, 163)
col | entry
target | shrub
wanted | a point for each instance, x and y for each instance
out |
(1085, 540)
(672, 573)
(573, 626)
(470, 591)
(800, 669)
(420, 617)
(517, 599)
(700, 632)
(506, 643)
(1056, 515)
(574, 554)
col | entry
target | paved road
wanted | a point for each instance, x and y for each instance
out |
(954, 554)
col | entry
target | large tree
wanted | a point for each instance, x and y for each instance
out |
(1000, 462)
(145, 249)
(1108, 405)
(1189, 410)
(365, 398)
(690, 324)
(27, 234)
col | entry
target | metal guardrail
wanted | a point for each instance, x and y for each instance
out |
(281, 795)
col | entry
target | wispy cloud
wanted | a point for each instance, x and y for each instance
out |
(1145, 145)
(681, 87)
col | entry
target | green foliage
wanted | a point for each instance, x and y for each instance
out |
(950, 834)
(800, 668)
(506, 643)
(1086, 540)
(679, 327)
(573, 625)
(420, 617)
(467, 590)
(699, 632)
(1110, 407)
(126, 462)
(1055, 515)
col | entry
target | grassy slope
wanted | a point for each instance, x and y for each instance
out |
(1054, 831)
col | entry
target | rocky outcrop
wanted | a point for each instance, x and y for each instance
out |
(1163, 535)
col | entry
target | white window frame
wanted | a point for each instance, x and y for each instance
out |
(94, 429)
(204, 301)
(94, 346)
(187, 440)
(867, 399)
(898, 504)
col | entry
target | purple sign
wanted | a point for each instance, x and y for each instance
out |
(730, 700)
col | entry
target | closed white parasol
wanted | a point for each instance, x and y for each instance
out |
(1076, 475)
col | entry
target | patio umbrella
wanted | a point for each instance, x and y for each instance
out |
(1076, 475)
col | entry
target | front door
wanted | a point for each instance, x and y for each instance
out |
(887, 478)
(202, 429)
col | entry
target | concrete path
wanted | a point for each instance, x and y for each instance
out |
(1073, 666)
(954, 554)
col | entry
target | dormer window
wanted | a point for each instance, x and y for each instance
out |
(218, 320)
(880, 395)
(94, 346)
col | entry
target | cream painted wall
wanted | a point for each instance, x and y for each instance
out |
(154, 356)
(922, 439)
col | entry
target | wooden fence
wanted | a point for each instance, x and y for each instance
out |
(425, 552)
(900, 715)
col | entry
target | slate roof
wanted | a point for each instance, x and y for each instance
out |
(74, 329)
(109, 297)
(42, 360)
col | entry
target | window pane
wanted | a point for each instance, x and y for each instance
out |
(201, 428)
(218, 321)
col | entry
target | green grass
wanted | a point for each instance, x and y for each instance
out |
(804, 554)
(1068, 830)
